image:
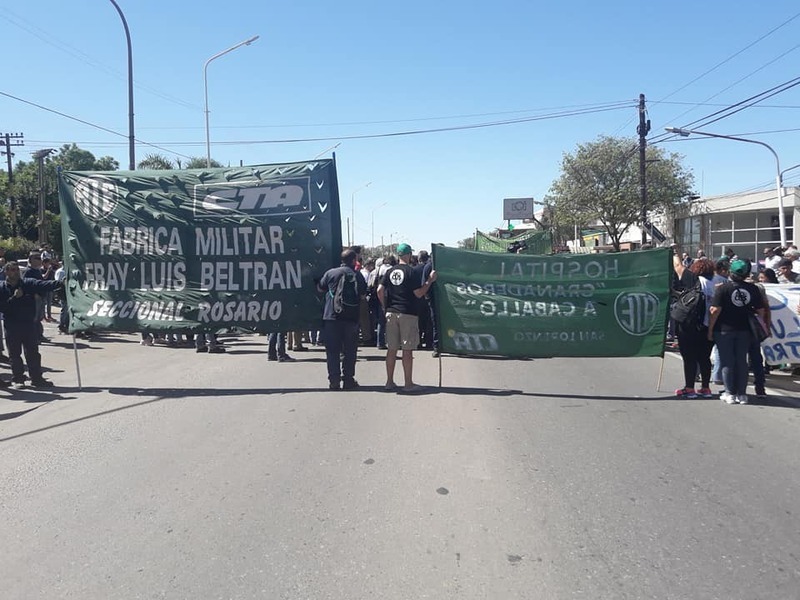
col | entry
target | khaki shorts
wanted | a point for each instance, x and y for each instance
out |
(402, 331)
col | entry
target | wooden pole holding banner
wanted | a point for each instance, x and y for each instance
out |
(77, 364)
(660, 374)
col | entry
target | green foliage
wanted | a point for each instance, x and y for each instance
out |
(17, 247)
(156, 162)
(198, 162)
(600, 183)
(467, 243)
(26, 191)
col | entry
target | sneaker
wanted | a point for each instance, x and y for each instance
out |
(147, 341)
(412, 389)
(728, 398)
(17, 385)
(390, 386)
(272, 358)
(285, 358)
(334, 386)
(688, 393)
(742, 399)
(41, 383)
(201, 349)
(705, 393)
(435, 354)
(761, 392)
(352, 384)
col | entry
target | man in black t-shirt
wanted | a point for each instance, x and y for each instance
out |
(729, 327)
(399, 292)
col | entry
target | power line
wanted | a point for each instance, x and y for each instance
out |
(557, 115)
(731, 57)
(617, 103)
(51, 40)
(82, 121)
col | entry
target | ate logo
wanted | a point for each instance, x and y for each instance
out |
(637, 313)
(397, 277)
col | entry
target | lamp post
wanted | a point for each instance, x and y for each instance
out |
(353, 211)
(205, 86)
(373, 221)
(778, 179)
(131, 137)
(334, 147)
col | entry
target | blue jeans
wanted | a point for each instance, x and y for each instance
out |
(276, 345)
(381, 328)
(733, 350)
(341, 338)
(757, 364)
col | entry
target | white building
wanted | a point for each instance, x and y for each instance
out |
(747, 223)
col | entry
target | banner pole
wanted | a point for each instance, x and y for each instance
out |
(77, 364)
(660, 374)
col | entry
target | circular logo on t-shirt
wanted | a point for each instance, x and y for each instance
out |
(740, 297)
(397, 276)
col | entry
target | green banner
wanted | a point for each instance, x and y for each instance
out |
(199, 250)
(563, 305)
(533, 242)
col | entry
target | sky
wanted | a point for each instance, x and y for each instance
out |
(417, 95)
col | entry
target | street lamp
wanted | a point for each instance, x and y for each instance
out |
(131, 138)
(334, 147)
(778, 179)
(353, 211)
(373, 220)
(205, 85)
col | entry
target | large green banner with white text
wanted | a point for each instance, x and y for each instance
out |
(201, 249)
(563, 305)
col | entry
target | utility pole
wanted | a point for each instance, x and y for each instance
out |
(40, 155)
(643, 129)
(17, 139)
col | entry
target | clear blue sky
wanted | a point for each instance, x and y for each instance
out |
(331, 70)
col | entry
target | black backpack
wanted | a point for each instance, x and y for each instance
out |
(345, 298)
(690, 306)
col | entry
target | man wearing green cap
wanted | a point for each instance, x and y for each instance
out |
(729, 326)
(399, 292)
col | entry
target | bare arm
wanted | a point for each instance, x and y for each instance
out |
(381, 295)
(421, 291)
(713, 315)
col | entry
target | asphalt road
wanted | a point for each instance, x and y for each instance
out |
(176, 475)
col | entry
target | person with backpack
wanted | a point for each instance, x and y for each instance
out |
(343, 287)
(693, 290)
(731, 307)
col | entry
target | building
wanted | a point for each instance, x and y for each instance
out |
(746, 222)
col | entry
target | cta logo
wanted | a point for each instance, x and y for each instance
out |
(637, 312)
(251, 198)
(473, 342)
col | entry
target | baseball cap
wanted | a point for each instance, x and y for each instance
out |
(740, 267)
(403, 249)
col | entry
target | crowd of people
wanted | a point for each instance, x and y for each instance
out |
(718, 341)
(392, 309)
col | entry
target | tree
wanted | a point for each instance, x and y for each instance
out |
(157, 162)
(467, 243)
(198, 162)
(26, 187)
(599, 183)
